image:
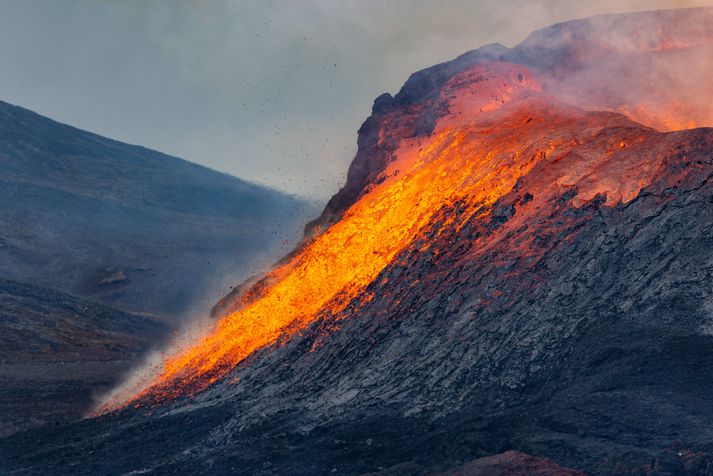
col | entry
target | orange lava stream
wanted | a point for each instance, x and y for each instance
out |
(341, 262)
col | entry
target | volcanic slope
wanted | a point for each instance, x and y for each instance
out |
(509, 267)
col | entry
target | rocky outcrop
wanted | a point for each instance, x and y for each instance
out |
(411, 113)
(648, 60)
(512, 463)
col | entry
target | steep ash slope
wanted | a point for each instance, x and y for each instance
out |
(126, 225)
(523, 272)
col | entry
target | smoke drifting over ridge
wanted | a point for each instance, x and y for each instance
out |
(268, 91)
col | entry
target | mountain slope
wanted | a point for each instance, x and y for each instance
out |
(509, 267)
(126, 225)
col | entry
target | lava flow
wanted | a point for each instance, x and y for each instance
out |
(497, 122)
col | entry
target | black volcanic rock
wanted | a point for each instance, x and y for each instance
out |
(77, 209)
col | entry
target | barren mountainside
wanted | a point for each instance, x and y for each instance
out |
(126, 225)
(516, 279)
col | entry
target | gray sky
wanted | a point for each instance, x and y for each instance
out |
(270, 91)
